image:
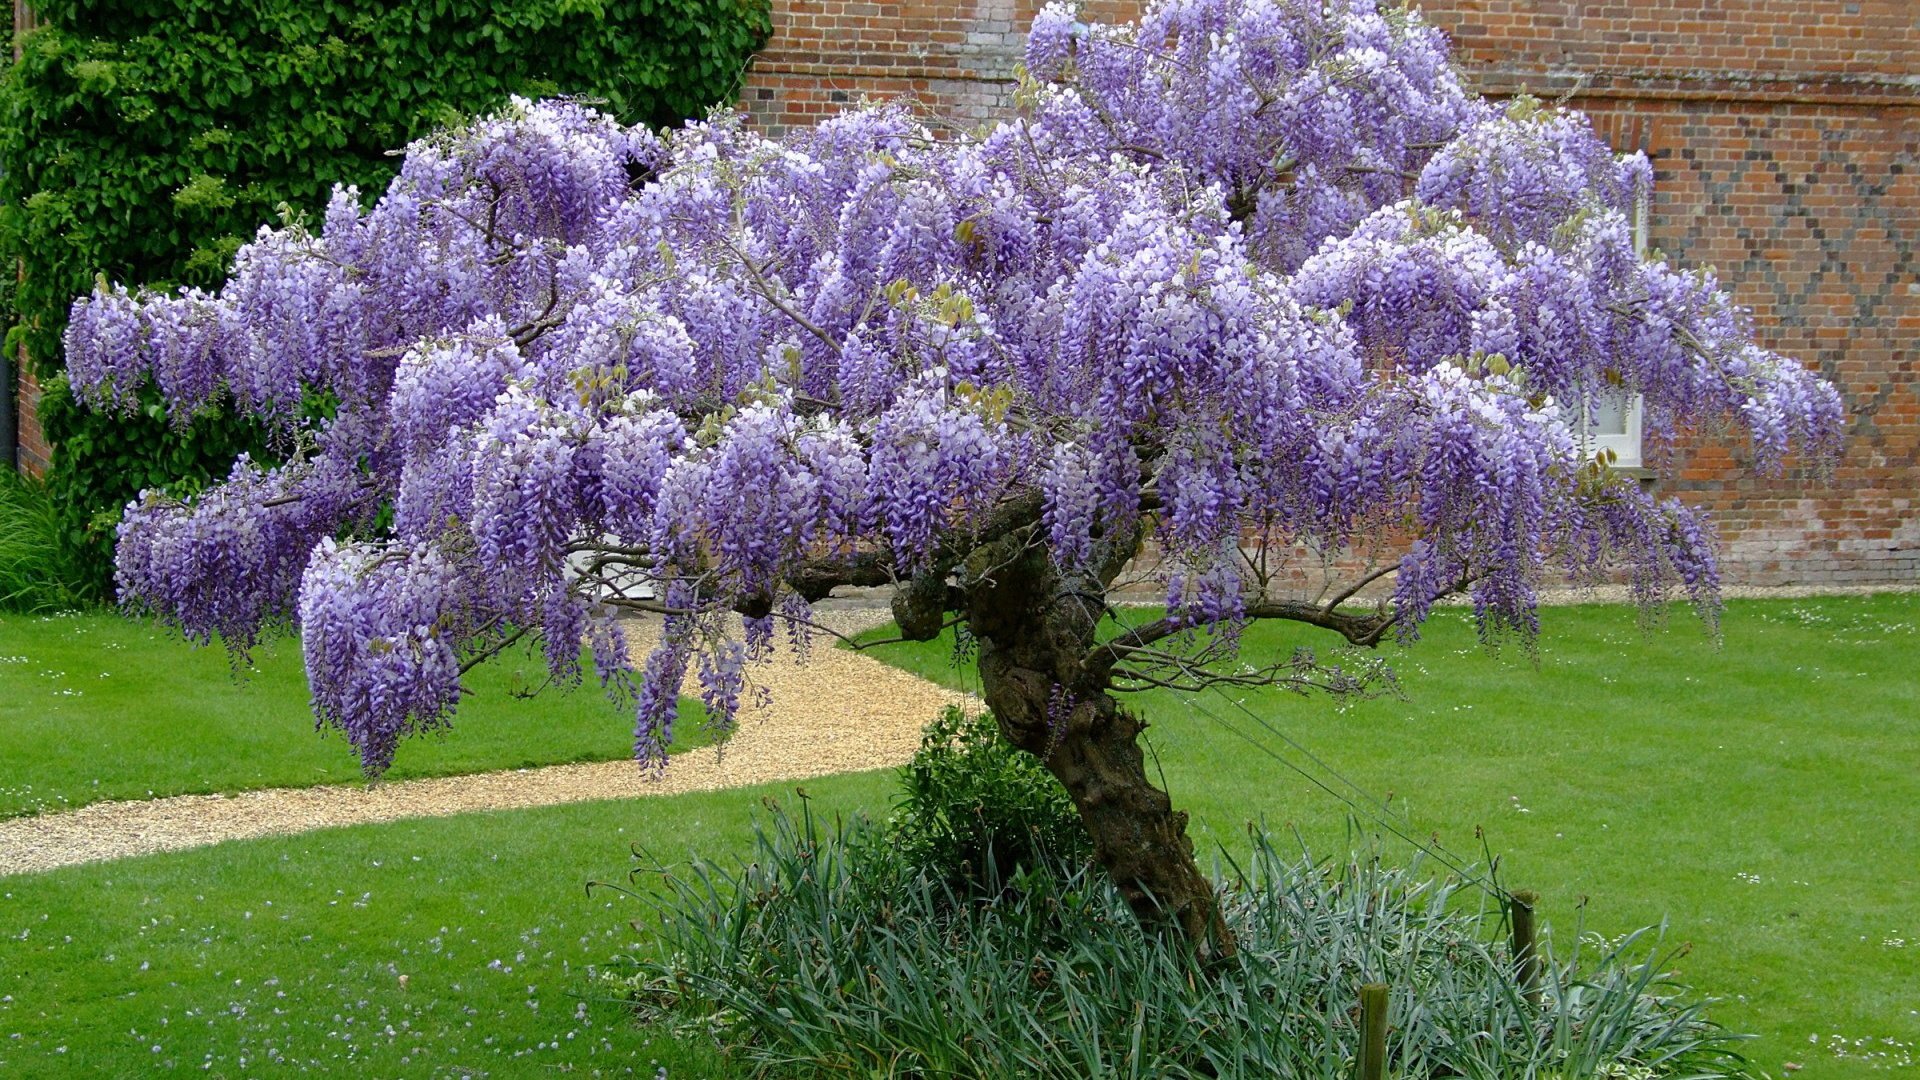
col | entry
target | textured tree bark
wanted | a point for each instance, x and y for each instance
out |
(1034, 630)
(1138, 837)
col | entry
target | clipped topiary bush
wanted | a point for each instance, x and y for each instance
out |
(146, 141)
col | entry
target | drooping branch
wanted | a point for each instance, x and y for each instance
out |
(493, 648)
(766, 291)
(1363, 630)
(1360, 583)
(1300, 679)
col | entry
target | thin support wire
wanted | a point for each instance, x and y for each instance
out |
(1366, 809)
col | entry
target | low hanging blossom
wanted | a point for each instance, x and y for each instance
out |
(1254, 276)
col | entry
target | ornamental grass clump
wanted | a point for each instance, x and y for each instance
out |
(35, 573)
(827, 954)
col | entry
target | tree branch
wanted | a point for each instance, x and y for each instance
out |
(1353, 590)
(766, 291)
(1364, 630)
(493, 650)
(817, 578)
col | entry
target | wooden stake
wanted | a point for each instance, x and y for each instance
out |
(1373, 1031)
(1526, 958)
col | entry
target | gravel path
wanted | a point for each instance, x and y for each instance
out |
(838, 712)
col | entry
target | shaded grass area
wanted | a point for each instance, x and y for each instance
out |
(1758, 794)
(285, 956)
(96, 706)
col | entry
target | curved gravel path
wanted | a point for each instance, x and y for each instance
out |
(838, 712)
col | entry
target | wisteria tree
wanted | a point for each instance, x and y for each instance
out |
(1253, 282)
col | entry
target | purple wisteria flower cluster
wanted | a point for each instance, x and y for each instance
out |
(1260, 273)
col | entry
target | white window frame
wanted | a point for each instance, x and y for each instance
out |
(1626, 446)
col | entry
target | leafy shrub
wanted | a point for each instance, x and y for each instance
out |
(974, 811)
(146, 141)
(827, 954)
(35, 574)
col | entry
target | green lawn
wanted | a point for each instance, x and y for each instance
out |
(284, 956)
(96, 706)
(1759, 795)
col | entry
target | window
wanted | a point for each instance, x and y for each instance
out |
(1613, 423)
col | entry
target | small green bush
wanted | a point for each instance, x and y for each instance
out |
(829, 954)
(974, 811)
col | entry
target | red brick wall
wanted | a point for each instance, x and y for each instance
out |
(1808, 210)
(1795, 47)
(955, 55)
(34, 453)
(1786, 142)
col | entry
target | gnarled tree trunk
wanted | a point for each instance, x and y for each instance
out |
(1035, 630)
(1139, 838)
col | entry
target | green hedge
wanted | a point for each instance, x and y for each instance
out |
(146, 140)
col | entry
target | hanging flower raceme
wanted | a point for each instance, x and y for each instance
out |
(935, 465)
(380, 628)
(444, 386)
(118, 341)
(1522, 175)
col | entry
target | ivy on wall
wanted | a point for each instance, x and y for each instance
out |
(147, 140)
